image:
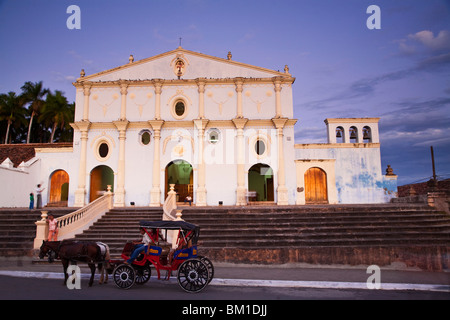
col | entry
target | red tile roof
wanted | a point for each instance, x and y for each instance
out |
(24, 152)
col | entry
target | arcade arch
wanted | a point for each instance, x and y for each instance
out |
(59, 189)
(101, 177)
(181, 174)
(260, 180)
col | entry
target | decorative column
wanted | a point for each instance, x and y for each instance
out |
(80, 193)
(123, 106)
(158, 89)
(155, 193)
(277, 88)
(239, 88)
(119, 195)
(201, 189)
(87, 92)
(240, 191)
(201, 97)
(282, 191)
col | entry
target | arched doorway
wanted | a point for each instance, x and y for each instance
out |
(181, 174)
(101, 177)
(59, 189)
(260, 180)
(316, 186)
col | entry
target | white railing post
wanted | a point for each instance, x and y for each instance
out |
(41, 230)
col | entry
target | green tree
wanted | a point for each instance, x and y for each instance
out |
(34, 94)
(12, 111)
(56, 112)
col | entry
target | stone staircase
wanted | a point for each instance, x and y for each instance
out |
(416, 235)
(413, 234)
(17, 229)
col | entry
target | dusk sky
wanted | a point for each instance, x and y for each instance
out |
(400, 73)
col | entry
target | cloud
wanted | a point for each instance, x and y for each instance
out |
(427, 38)
(414, 118)
(61, 78)
(424, 42)
(366, 86)
(76, 56)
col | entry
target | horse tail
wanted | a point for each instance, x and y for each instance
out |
(105, 255)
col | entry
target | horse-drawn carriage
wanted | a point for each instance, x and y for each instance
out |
(194, 272)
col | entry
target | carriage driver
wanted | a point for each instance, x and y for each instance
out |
(142, 245)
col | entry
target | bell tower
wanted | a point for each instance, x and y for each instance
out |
(352, 130)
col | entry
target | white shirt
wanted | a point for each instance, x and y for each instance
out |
(146, 239)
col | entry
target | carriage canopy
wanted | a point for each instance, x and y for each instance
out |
(169, 225)
(189, 230)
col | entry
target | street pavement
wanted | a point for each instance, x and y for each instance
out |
(394, 277)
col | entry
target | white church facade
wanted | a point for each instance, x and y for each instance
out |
(219, 131)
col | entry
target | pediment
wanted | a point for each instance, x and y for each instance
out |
(182, 64)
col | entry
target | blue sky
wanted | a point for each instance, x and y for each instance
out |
(400, 73)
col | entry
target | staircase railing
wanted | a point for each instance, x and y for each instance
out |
(76, 222)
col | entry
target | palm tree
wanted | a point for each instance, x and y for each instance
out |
(66, 134)
(12, 110)
(34, 94)
(56, 111)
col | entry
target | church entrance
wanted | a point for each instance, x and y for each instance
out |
(181, 174)
(101, 177)
(59, 189)
(260, 183)
(316, 186)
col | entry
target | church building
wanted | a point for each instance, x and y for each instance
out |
(216, 130)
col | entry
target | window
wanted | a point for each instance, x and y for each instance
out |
(353, 135)
(367, 135)
(213, 136)
(145, 137)
(179, 109)
(339, 135)
(103, 150)
(260, 147)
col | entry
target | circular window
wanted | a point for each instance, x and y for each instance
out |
(260, 147)
(180, 108)
(145, 137)
(103, 150)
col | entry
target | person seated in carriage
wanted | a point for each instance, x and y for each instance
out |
(142, 245)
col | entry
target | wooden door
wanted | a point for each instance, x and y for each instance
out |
(316, 186)
(59, 187)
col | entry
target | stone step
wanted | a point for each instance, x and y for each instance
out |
(286, 228)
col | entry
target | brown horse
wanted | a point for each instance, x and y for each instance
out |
(74, 251)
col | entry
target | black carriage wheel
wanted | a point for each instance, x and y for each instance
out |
(143, 274)
(209, 265)
(193, 275)
(124, 276)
